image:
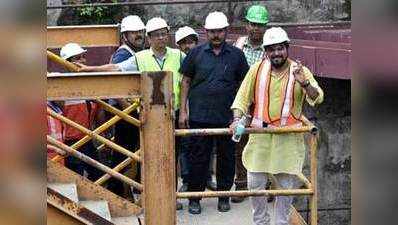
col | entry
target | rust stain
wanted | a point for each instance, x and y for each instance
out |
(92, 217)
(157, 94)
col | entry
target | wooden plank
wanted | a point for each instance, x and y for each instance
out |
(103, 85)
(98, 35)
(159, 198)
(119, 207)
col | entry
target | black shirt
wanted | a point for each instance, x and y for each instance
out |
(215, 80)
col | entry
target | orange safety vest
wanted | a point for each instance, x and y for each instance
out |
(262, 99)
(82, 112)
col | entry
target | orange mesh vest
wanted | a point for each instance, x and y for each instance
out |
(262, 99)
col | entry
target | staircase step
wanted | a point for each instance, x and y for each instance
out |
(130, 220)
(99, 207)
(68, 190)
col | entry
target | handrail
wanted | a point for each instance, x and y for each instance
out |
(93, 162)
(308, 127)
(117, 168)
(94, 135)
(119, 113)
(100, 129)
(68, 65)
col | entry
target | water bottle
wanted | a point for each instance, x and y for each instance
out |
(239, 129)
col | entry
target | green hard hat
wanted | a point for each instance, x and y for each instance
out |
(257, 14)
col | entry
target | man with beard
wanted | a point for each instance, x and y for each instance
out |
(132, 31)
(251, 45)
(277, 87)
(132, 38)
(212, 73)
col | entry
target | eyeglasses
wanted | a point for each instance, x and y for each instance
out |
(159, 34)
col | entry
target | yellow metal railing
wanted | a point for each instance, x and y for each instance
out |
(309, 184)
(164, 157)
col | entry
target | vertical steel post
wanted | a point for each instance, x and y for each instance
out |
(157, 130)
(314, 174)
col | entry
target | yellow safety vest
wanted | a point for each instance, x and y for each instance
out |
(173, 59)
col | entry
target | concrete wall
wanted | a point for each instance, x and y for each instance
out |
(333, 118)
(194, 14)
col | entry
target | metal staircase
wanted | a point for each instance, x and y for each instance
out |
(83, 202)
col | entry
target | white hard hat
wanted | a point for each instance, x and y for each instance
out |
(71, 49)
(132, 23)
(184, 32)
(216, 20)
(156, 23)
(275, 35)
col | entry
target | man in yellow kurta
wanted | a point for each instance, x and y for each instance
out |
(276, 87)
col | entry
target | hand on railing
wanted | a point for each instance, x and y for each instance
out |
(82, 67)
(183, 120)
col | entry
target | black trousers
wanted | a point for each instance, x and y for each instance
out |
(79, 166)
(199, 157)
(127, 136)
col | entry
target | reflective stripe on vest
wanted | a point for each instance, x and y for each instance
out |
(262, 99)
(240, 42)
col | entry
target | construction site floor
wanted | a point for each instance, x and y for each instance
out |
(240, 213)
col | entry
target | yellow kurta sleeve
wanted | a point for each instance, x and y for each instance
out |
(313, 83)
(245, 96)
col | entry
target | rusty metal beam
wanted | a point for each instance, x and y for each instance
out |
(158, 149)
(57, 216)
(104, 85)
(97, 35)
(73, 209)
(118, 206)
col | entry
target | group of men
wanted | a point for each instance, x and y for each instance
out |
(215, 84)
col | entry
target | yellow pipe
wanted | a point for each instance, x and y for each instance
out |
(119, 113)
(93, 162)
(119, 167)
(227, 131)
(304, 179)
(68, 65)
(100, 129)
(94, 135)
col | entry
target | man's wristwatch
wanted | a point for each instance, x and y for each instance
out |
(305, 84)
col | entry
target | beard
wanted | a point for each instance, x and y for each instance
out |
(255, 37)
(216, 42)
(278, 62)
